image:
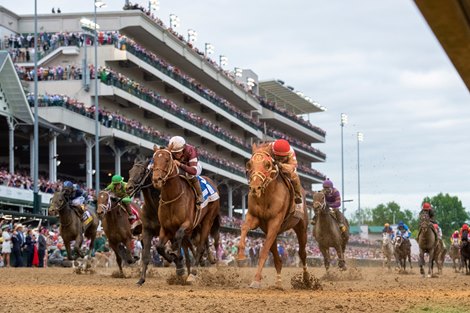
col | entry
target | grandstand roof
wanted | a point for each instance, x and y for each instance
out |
(275, 91)
(450, 22)
(12, 90)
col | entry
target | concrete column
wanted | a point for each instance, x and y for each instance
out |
(53, 157)
(11, 144)
(243, 204)
(118, 153)
(230, 200)
(31, 155)
(89, 159)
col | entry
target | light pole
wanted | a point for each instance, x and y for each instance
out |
(36, 200)
(174, 21)
(223, 60)
(155, 5)
(98, 4)
(208, 49)
(360, 137)
(192, 35)
(344, 121)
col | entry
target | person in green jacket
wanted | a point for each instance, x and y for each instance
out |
(118, 187)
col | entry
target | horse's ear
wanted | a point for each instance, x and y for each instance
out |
(254, 147)
(155, 148)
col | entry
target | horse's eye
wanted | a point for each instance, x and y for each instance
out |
(267, 164)
(248, 166)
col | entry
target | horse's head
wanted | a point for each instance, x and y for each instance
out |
(103, 202)
(163, 167)
(319, 202)
(385, 239)
(398, 241)
(57, 203)
(425, 222)
(138, 174)
(262, 170)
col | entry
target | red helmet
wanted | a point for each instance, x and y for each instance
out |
(281, 147)
(465, 227)
(426, 206)
(436, 227)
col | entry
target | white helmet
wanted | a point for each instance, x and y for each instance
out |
(177, 144)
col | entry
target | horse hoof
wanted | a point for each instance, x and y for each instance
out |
(255, 284)
(242, 262)
(429, 275)
(140, 282)
(180, 271)
(191, 278)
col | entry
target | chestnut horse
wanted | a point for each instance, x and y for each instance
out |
(71, 225)
(454, 253)
(327, 232)
(140, 179)
(117, 228)
(402, 249)
(269, 207)
(177, 211)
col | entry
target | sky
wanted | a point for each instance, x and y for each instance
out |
(376, 61)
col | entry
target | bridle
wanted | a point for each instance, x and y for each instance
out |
(139, 186)
(267, 176)
(168, 170)
(59, 208)
(320, 205)
(108, 207)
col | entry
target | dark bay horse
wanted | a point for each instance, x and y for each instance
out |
(465, 252)
(269, 207)
(177, 211)
(71, 226)
(140, 179)
(117, 228)
(440, 255)
(427, 243)
(402, 252)
(327, 232)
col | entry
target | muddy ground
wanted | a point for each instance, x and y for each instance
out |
(225, 289)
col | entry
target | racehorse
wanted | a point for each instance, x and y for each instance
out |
(427, 243)
(117, 228)
(327, 232)
(402, 249)
(140, 179)
(71, 226)
(387, 250)
(270, 203)
(454, 253)
(465, 252)
(177, 211)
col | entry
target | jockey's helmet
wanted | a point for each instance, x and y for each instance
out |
(456, 232)
(281, 147)
(387, 225)
(401, 224)
(426, 206)
(465, 227)
(116, 179)
(327, 184)
(436, 227)
(68, 184)
(177, 144)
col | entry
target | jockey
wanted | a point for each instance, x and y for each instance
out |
(185, 158)
(73, 196)
(427, 209)
(118, 187)
(388, 230)
(438, 231)
(403, 231)
(464, 230)
(455, 238)
(333, 200)
(283, 153)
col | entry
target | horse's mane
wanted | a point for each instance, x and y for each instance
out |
(262, 147)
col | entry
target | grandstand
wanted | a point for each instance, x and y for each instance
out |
(153, 84)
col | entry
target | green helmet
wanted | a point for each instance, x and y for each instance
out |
(117, 179)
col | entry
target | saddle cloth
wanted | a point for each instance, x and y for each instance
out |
(208, 192)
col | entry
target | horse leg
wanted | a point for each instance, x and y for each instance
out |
(431, 263)
(146, 242)
(421, 262)
(179, 237)
(78, 244)
(271, 234)
(326, 256)
(69, 251)
(277, 264)
(186, 244)
(118, 260)
(250, 223)
(341, 261)
(409, 260)
(204, 240)
(161, 246)
(301, 232)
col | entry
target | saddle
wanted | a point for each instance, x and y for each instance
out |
(294, 210)
(198, 215)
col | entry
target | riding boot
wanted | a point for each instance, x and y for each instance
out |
(297, 188)
(129, 212)
(339, 218)
(195, 182)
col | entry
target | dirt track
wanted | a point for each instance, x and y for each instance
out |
(224, 289)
